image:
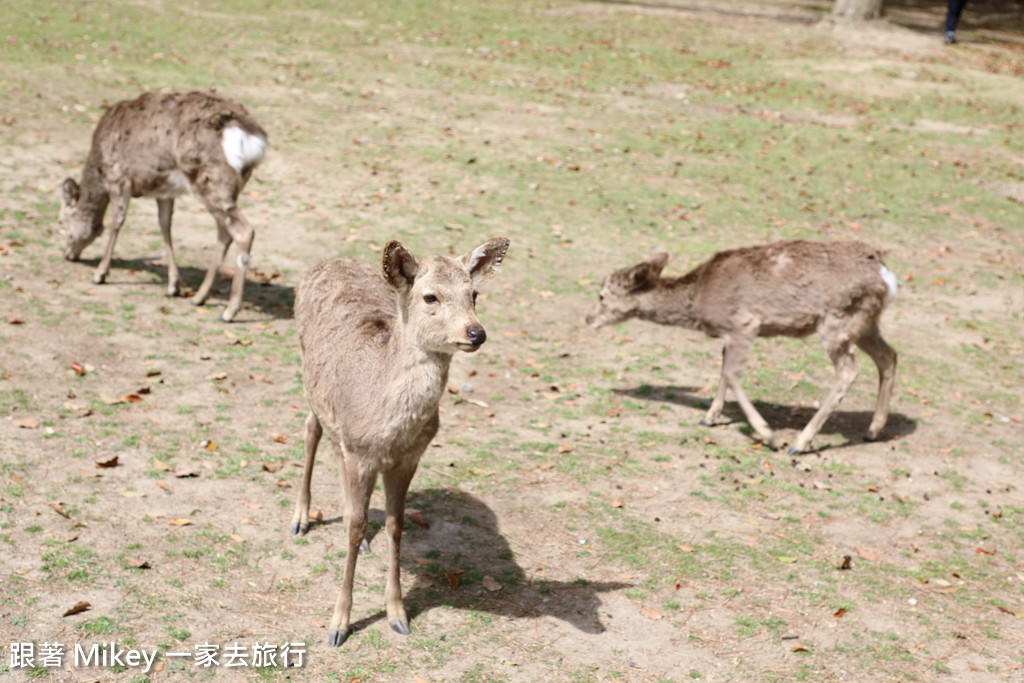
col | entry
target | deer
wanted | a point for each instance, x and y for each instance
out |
(163, 145)
(376, 346)
(838, 289)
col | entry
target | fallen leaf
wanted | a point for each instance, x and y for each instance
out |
(317, 516)
(280, 439)
(186, 474)
(616, 503)
(867, 555)
(217, 376)
(136, 563)
(27, 423)
(161, 465)
(652, 614)
(786, 559)
(60, 511)
(77, 367)
(417, 519)
(417, 679)
(318, 623)
(164, 486)
(15, 321)
(112, 462)
(490, 584)
(237, 539)
(110, 400)
(800, 648)
(453, 580)
(272, 466)
(210, 446)
(982, 551)
(179, 522)
(687, 548)
(252, 506)
(839, 613)
(80, 606)
(565, 448)
(846, 564)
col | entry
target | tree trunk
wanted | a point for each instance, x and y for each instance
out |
(857, 10)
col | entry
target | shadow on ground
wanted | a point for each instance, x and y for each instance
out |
(462, 561)
(263, 291)
(851, 424)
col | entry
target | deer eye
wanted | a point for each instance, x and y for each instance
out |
(430, 298)
(600, 297)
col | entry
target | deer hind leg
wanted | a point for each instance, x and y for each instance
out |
(884, 356)
(358, 488)
(165, 210)
(841, 352)
(734, 357)
(396, 487)
(119, 198)
(243, 234)
(223, 242)
(300, 518)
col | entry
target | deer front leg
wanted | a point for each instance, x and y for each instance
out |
(165, 210)
(396, 488)
(734, 356)
(300, 518)
(715, 411)
(119, 198)
(357, 503)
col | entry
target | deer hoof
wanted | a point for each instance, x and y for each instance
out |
(99, 278)
(336, 637)
(793, 450)
(227, 317)
(400, 626)
(300, 529)
(364, 547)
(870, 439)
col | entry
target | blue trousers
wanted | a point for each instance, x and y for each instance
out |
(956, 8)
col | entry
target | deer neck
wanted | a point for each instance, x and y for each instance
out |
(669, 302)
(94, 196)
(415, 372)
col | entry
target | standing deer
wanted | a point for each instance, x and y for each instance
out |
(162, 146)
(375, 356)
(789, 289)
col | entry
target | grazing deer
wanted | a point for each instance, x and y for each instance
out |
(375, 356)
(789, 289)
(162, 146)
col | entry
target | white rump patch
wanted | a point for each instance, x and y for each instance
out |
(243, 150)
(890, 282)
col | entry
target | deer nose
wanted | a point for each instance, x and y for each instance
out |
(477, 335)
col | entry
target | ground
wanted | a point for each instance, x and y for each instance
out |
(571, 521)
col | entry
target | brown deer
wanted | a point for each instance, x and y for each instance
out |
(162, 146)
(790, 289)
(375, 356)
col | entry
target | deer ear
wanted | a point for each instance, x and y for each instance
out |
(483, 262)
(657, 262)
(69, 192)
(400, 267)
(640, 275)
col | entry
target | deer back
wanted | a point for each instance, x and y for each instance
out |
(787, 287)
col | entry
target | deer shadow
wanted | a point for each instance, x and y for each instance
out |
(462, 561)
(263, 292)
(851, 424)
